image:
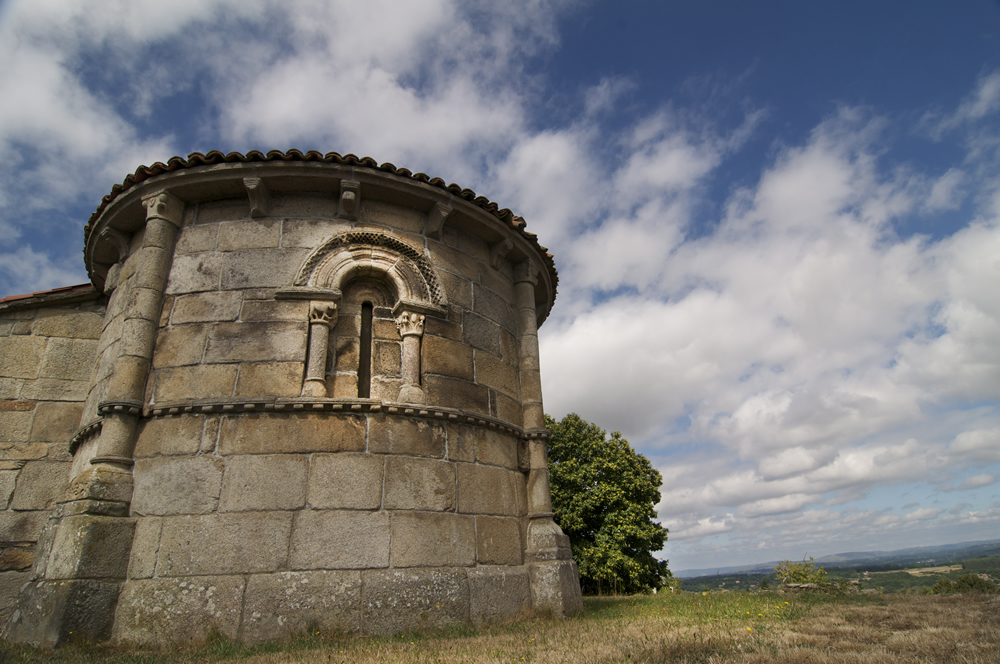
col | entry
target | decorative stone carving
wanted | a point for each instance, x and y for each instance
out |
(260, 197)
(350, 199)
(411, 328)
(498, 250)
(322, 316)
(436, 216)
(164, 205)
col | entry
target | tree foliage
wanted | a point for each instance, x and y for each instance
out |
(603, 496)
(804, 572)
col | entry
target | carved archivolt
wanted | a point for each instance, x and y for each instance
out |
(372, 253)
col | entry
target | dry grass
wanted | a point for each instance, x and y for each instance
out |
(722, 627)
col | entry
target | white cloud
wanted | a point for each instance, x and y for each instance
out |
(978, 481)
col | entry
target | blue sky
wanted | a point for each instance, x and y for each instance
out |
(777, 224)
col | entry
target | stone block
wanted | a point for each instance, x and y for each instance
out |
(386, 389)
(274, 310)
(56, 422)
(171, 485)
(507, 409)
(385, 329)
(508, 348)
(386, 358)
(343, 386)
(270, 379)
(287, 604)
(446, 357)
(555, 587)
(223, 210)
(10, 388)
(53, 613)
(15, 426)
(438, 327)
(303, 204)
(72, 324)
(452, 260)
(260, 268)
(433, 539)
(54, 389)
(455, 393)
(8, 480)
(288, 434)
(264, 482)
(20, 356)
(10, 587)
(40, 484)
(179, 346)
(488, 304)
(23, 451)
(196, 239)
(145, 544)
(233, 543)
(461, 442)
(347, 358)
(90, 547)
(159, 611)
(169, 436)
(194, 272)
(498, 593)
(419, 484)
(495, 373)
(457, 288)
(393, 216)
(498, 541)
(389, 434)
(400, 600)
(481, 333)
(488, 490)
(338, 539)
(257, 342)
(197, 382)
(206, 307)
(495, 448)
(16, 559)
(249, 234)
(21, 526)
(310, 232)
(345, 481)
(498, 282)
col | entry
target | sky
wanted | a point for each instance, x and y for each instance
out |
(777, 224)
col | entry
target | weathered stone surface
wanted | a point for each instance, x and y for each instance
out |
(235, 543)
(447, 258)
(8, 479)
(419, 484)
(461, 442)
(310, 232)
(555, 586)
(495, 448)
(455, 393)
(345, 481)
(446, 357)
(249, 234)
(398, 600)
(21, 526)
(40, 484)
(490, 305)
(260, 268)
(195, 239)
(437, 327)
(15, 559)
(23, 451)
(288, 603)
(386, 358)
(21, 356)
(54, 389)
(508, 409)
(56, 422)
(223, 210)
(169, 436)
(487, 490)
(52, 613)
(481, 333)
(498, 593)
(10, 388)
(459, 289)
(72, 324)
(15, 426)
(270, 379)
(257, 342)
(178, 346)
(399, 435)
(194, 273)
(261, 434)
(264, 482)
(206, 307)
(10, 586)
(494, 372)
(196, 382)
(433, 539)
(508, 348)
(498, 541)
(90, 547)
(171, 485)
(303, 204)
(338, 539)
(274, 310)
(145, 544)
(157, 611)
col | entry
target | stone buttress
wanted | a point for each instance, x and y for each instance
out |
(316, 401)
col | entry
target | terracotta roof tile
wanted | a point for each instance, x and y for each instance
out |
(70, 293)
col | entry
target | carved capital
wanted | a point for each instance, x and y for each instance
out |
(350, 199)
(164, 205)
(260, 197)
(498, 250)
(434, 226)
(118, 240)
(410, 324)
(526, 271)
(323, 313)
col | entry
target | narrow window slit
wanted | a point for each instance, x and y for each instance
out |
(365, 353)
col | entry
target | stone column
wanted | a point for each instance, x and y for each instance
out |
(411, 328)
(322, 316)
(84, 551)
(555, 582)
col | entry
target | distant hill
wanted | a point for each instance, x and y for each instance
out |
(921, 554)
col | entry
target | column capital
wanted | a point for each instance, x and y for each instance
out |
(410, 324)
(164, 205)
(526, 271)
(323, 313)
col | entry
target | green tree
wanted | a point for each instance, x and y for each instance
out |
(804, 572)
(603, 495)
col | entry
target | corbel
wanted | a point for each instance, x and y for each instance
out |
(260, 197)
(118, 240)
(434, 226)
(350, 199)
(498, 250)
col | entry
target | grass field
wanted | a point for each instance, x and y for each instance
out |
(688, 627)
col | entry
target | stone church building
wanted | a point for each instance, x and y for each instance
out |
(300, 389)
